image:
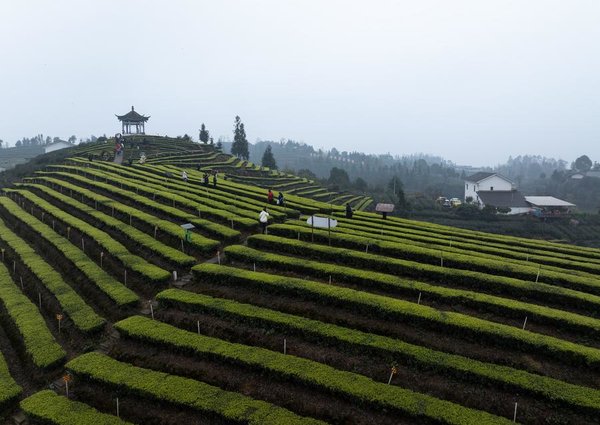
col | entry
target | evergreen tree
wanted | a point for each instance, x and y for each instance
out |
(204, 135)
(219, 146)
(268, 160)
(239, 147)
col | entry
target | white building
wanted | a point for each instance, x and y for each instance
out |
(56, 146)
(485, 182)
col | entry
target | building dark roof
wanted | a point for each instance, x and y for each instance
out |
(503, 198)
(477, 177)
(132, 116)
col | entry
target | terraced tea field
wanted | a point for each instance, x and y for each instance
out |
(103, 296)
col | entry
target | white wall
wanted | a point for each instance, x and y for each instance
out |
(491, 183)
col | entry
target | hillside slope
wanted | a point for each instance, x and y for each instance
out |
(373, 321)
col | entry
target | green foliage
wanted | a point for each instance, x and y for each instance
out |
(583, 163)
(50, 408)
(83, 316)
(184, 392)
(116, 249)
(308, 372)
(120, 294)
(338, 177)
(471, 269)
(9, 389)
(368, 278)
(492, 239)
(268, 160)
(39, 343)
(563, 263)
(422, 357)
(204, 135)
(205, 206)
(472, 279)
(133, 182)
(136, 236)
(240, 143)
(395, 309)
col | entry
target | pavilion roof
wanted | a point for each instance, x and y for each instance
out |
(133, 116)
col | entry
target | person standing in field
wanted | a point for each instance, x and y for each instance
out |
(215, 179)
(349, 210)
(280, 199)
(270, 196)
(263, 220)
(184, 176)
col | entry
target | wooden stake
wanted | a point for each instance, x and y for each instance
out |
(40, 299)
(391, 375)
(125, 278)
(198, 327)
(69, 232)
(330, 279)
(151, 310)
(515, 415)
(284, 346)
(525, 323)
(3, 254)
(118, 416)
(254, 264)
(21, 279)
(14, 266)
(419, 300)
(101, 258)
(155, 230)
(67, 388)
(441, 258)
(367, 248)
(219, 257)
(538, 274)
(82, 244)
(52, 224)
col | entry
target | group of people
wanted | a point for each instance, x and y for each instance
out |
(271, 198)
(263, 216)
(205, 177)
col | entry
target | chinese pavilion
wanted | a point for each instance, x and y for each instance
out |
(130, 120)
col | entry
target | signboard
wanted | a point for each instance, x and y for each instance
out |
(384, 208)
(188, 226)
(321, 222)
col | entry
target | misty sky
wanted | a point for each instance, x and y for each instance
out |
(472, 81)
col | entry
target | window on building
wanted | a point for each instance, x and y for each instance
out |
(491, 187)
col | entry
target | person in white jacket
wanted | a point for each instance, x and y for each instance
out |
(263, 219)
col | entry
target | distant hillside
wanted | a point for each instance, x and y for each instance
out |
(10, 157)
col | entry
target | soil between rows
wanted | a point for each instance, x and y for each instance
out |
(452, 387)
(454, 343)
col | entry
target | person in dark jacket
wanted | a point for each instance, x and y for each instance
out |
(215, 179)
(280, 199)
(349, 210)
